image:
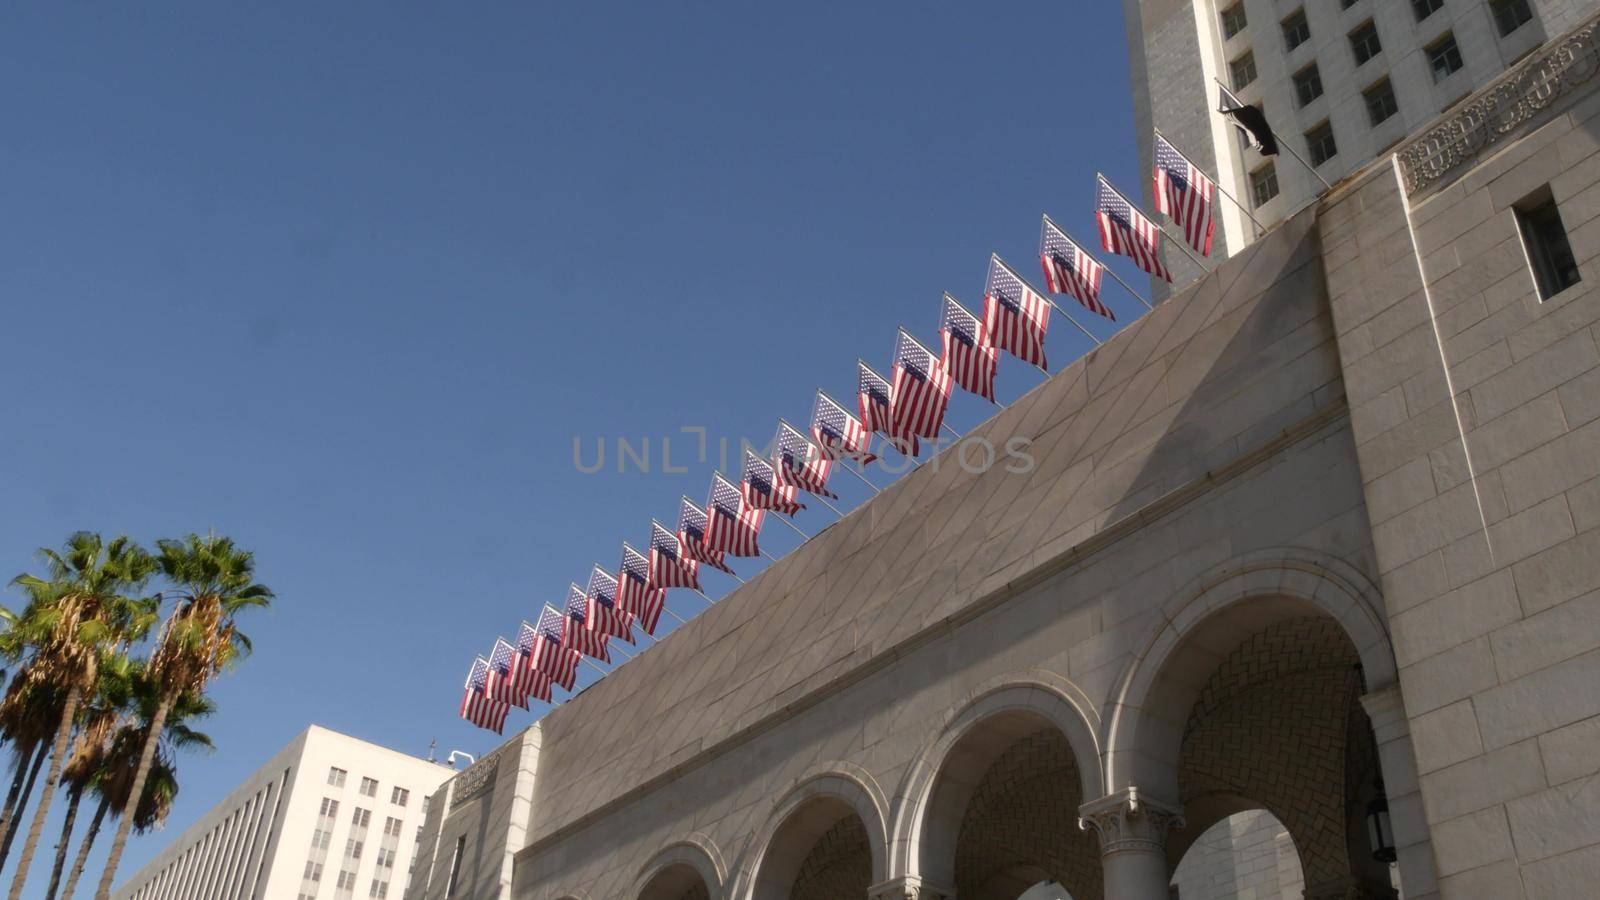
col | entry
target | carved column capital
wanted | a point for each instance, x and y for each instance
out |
(909, 887)
(1128, 820)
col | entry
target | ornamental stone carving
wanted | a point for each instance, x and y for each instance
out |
(1128, 821)
(909, 887)
(476, 779)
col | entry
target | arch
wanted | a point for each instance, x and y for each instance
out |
(820, 798)
(1242, 846)
(674, 869)
(987, 720)
(1197, 625)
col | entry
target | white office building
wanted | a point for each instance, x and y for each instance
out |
(329, 817)
(1341, 82)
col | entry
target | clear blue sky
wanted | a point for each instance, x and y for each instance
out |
(345, 282)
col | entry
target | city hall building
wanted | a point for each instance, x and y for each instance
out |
(1302, 595)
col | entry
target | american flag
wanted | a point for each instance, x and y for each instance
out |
(692, 528)
(579, 632)
(735, 525)
(801, 462)
(502, 682)
(1125, 230)
(639, 596)
(605, 612)
(1184, 193)
(969, 357)
(763, 489)
(1069, 270)
(542, 651)
(838, 433)
(1015, 315)
(526, 679)
(921, 388)
(669, 568)
(476, 707)
(874, 394)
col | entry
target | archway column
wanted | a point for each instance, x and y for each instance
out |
(909, 887)
(1397, 762)
(1132, 830)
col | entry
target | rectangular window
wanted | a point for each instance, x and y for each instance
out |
(1307, 84)
(1264, 184)
(1296, 30)
(369, 787)
(1243, 70)
(1509, 15)
(1364, 42)
(1544, 238)
(1319, 143)
(361, 817)
(330, 807)
(1444, 58)
(455, 866)
(1346, 4)
(1425, 8)
(399, 796)
(1233, 20)
(1381, 102)
(336, 776)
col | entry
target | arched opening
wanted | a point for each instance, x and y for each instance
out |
(678, 881)
(1246, 854)
(822, 851)
(1001, 819)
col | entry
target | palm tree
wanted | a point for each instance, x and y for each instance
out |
(217, 582)
(72, 615)
(28, 715)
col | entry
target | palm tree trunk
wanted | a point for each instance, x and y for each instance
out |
(58, 753)
(83, 849)
(24, 764)
(75, 796)
(22, 804)
(147, 757)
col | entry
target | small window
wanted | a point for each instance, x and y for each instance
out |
(1243, 70)
(1296, 30)
(1233, 20)
(330, 807)
(361, 818)
(455, 866)
(369, 787)
(1444, 58)
(1544, 238)
(1307, 84)
(1509, 15)
(1346, 4)
(336, 776)
(399, 796)
(1425, 8)
(1319, 142)
(1381, 102)
(1364, 42)
(1264, 184)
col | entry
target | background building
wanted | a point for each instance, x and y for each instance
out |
(329, 816)
(1342, 82)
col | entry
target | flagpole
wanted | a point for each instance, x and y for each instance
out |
(595, 665)
(1044, 296)
(1103, 267)
(1275, 136)
(824, 501)
(703, 596)
(680, 619)
(1220, 189)
(845, 465)
(1182, 244)
(769, 556)
(782, 518)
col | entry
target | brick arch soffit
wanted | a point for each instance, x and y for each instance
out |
(838, 780)
(1317, 581)
(696, 851)
(1038, 691)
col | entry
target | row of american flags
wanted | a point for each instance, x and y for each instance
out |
(906, 409)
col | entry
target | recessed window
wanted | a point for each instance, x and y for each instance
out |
(399, 796)
(1307, 84)
(1425, 8)
(1233, 20)
(336, 776)
(1243, 70)
(369, 787)
(1364, 42)
(1381, 102)
(455, 866)
(1544, 238)
(1319, 143)
(1509, 15)
(1296, 30)
(1264, 184)
(1444, 58)
(1346, 4)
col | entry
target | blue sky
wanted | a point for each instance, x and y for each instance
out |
(345, 281)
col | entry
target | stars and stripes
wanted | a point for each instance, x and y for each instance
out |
(476, 705)
(579, 632)
(1184, 193)
(1126, 231)
(639, 596)
(968, 355)
(541, 647)
(734, 524)
(606, 613)
(693, 525)
(800, 462)
(921, 388)
(839, 434)
(669, 568)
(763, 489)
(1068, 270)
(874, 394)
(502, 681)
(1014, 315)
